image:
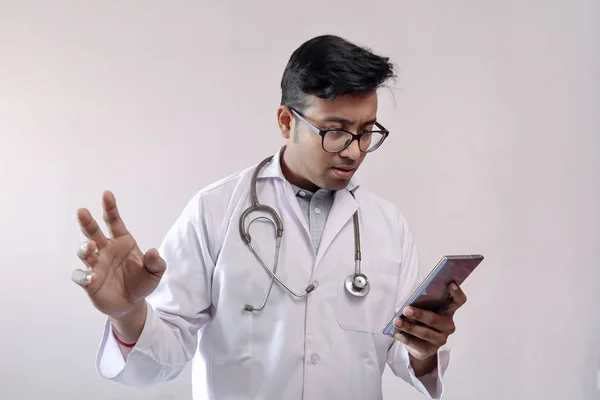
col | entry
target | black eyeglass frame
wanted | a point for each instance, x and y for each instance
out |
(357, 137)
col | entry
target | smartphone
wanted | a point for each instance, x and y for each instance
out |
(433, 294)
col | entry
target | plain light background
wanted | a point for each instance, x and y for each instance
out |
(494, 145)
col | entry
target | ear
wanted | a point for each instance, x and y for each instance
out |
(285, 121)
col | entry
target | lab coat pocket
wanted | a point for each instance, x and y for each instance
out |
(372, 312)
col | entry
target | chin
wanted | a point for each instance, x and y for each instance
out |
(335, 184)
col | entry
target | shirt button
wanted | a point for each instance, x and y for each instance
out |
(302, 193)
(314, 358)
(317, 210)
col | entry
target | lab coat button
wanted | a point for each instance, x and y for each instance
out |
(317, 210)
(302, 193)
(314, 358)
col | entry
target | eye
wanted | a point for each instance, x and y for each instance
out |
(368, 128)
(336, 133)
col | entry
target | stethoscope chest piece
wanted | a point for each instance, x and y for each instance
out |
(357, 285)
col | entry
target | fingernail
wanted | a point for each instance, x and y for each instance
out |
(82, 252)
(454, 287)
(398, 323)
(408, 311)
(81, 277)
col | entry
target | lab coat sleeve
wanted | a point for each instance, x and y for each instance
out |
(177, 309)
(398, 359)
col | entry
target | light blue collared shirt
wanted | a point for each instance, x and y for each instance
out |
(315, 207)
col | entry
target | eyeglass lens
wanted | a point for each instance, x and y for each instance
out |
(337, 140)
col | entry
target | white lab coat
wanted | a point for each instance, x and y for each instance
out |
(328, 345)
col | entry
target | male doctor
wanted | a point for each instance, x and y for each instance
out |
(205, 297)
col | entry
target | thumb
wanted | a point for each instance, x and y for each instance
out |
(154, 263)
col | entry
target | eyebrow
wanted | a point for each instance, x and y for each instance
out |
(347, 121)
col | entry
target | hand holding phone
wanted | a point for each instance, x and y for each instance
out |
(425, 320)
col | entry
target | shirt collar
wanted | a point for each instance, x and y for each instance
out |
(273, 170)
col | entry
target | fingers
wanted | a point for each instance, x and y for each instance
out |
(154, 263)
(417, 347)
(82, 278)
(90, 228)
(457, 294)
(459, 298)
(112, 218)
(88, 253)
(427, 331)
(111, 215)
(423, 332)
(439, 322)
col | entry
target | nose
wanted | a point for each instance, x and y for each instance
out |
(352, 151)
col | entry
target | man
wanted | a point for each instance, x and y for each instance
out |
(205, 296)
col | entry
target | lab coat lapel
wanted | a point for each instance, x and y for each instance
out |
(285, 192)
(344, 206)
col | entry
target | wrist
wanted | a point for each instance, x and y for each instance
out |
(424, 366)
(121, 342)
(128, 327)
(134, 312)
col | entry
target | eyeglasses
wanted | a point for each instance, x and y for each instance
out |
(336, 140)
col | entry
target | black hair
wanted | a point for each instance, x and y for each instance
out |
(328, 66)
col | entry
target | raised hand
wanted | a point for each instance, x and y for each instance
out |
(118, 276)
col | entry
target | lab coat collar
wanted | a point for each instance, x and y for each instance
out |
(344, 205)
(273, 170)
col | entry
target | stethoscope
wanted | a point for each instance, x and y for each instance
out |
(356, 284)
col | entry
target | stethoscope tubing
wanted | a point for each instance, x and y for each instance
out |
(356, 284)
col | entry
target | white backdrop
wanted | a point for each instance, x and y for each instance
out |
(494, 149)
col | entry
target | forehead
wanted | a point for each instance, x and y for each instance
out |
(350, 107)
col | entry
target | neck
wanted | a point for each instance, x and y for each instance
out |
(292, 176)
